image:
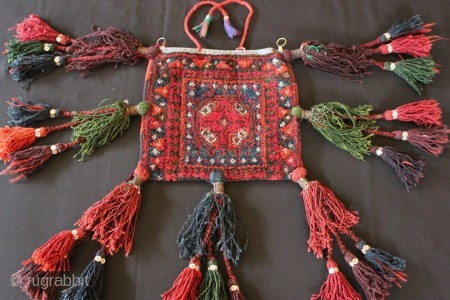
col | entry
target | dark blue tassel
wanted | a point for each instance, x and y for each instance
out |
(30, 68)
(381, 260)
(25, 113)
(213, 219)
(403, 27)
(90, 284)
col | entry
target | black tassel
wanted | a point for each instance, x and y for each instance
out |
(25, 113)
(30, 68)
(408, 170)
(90, 284)
(213, 217)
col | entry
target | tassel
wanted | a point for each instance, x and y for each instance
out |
(229, 29)
(408, 170)
(214, 214)
(336, 287)
(24, 113)
(14, 139)
(18, 49)
(30, 68)
(375, 286)
(429, 140)
(26, 162)
(413, 25)
(54, 254)
(384, 262)
(112, 220)
(341, 125)
(35, 282)
(111, 45)
(202, 28)
(187, 284)
(101, 126)
(91, 283)
(326, 215)
(414, 45)
(345, 62)
(34, 28)
(416, 71)
(423, 113)
(213, 287)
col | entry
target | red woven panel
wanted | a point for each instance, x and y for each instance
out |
(224, 112)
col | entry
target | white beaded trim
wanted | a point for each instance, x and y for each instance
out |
(37, 132)
(389, 48)
(391, 66)
(333, 270)
(212, 268)
(354, 262)
(100, 259)
(379, 151)
(365, 248)
(75, 234)
(394, 114)
(387, 35)
(234, 288)
(194, 267)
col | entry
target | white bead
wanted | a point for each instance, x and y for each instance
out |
(379, 151)
(333, 270)
(365, 248)
(404, 135)
(234, 288)
(59, 38)
(389, 48)
(387, 35)
(37, 132)
(354, 262)
(75, 234)
(392, 66)
(102, 261)
(212, 268)
(98, 258)
(54, 149)
(394, 114)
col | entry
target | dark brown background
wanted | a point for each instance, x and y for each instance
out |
(276, 266)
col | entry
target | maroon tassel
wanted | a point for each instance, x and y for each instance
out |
(429, 140)
(375, 286)
(408, 170)
(113, 219)
(336, 287)
(326, 215)
(187, 284)
(35, 282)
(34, 28)
(423, 113)
(235, 291)
(92, 51)
(26, 162)
(346, 62)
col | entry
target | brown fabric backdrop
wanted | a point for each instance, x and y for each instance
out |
(413, 225)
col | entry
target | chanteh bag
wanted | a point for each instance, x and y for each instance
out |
(218, 115)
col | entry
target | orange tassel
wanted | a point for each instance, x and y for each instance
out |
(14, 139)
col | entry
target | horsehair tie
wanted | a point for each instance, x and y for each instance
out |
(218, 115)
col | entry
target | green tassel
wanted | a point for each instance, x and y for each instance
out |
(342, 125)
(102, 125)
(416, 71)
(213, 287)
(18, 49)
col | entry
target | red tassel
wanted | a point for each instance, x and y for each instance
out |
(336, 287)
(14, 139)
(34, 28)
(54, 254)
(101, 47)
(113, 219)
(326, 215)
(35, 282)
(375, 286)
(423, 113)
(429, 140)
(414, 45)
(24, 163)
(187, 283)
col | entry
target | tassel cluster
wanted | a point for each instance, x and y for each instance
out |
(405, 38)
(90, 129)
(38, 49)
(352, 129)
(211, 231)
(329, 220)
